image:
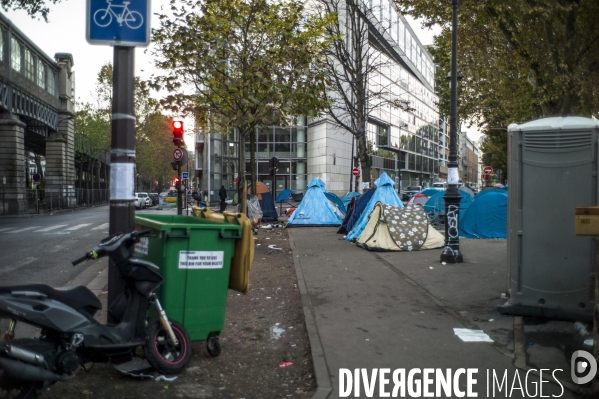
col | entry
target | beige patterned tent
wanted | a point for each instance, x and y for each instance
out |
(391, 228)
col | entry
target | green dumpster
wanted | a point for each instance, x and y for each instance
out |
(194, 256)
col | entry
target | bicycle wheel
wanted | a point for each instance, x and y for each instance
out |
(102, 17)
(133, 20)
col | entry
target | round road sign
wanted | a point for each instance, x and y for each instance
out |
(355, 172)
(37, 177)
(178, 154)
(488, 170)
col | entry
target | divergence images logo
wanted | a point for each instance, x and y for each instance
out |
(583, 362)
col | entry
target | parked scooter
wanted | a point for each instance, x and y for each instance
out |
(70, 337)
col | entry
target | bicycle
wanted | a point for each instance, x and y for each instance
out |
(132, 19)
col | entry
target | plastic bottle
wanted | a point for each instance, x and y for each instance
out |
(582, 330)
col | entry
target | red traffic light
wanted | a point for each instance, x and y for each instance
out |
(177, 132)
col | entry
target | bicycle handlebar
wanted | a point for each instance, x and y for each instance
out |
(83, 258)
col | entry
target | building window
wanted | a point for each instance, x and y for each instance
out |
(41, 74)
(29, 69)
(382, 133)
(15, 54)
(51, 83)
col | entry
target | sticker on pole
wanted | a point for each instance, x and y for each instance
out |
(201, 259)
(141, 247)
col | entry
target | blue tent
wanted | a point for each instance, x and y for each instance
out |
(352, 216)
(284, 195)
(336, 201)
(486, 217)
(384, 193)
(346, 199)
(436, 203)
(315, 208)
(430, 191)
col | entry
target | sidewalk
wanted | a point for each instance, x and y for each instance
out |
(398, 310)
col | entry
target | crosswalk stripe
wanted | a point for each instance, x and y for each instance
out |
(58, 226)
(25, 229)
(79, 226)
(6, 228)
(101, 227)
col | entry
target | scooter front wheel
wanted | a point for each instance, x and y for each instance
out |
(17, 389)
(162, 354)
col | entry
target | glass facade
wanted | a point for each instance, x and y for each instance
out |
(288, 145)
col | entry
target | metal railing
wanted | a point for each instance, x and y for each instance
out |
(33, 201)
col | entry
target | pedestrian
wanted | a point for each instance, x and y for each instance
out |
(222, 193)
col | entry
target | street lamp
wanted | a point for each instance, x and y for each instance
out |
(451, 253)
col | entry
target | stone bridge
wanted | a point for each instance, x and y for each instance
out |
(36, 112)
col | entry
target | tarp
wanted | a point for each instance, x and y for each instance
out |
(284, 195)
(486, 217)
(384, 193)
(267, 203)
(336, 201)
(392, 228)
(346, 199)
(315, 208)
(436, 203)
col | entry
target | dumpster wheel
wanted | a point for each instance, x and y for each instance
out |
(213, 346)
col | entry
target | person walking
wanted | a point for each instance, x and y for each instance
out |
(222, 193)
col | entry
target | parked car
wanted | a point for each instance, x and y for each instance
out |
(409, 192)
(140, 201)
(154, 197)
(146, 198)
(441, 185)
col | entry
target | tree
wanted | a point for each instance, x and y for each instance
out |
(520, 60)
(242, 64)
(355, 68)
(31, 7)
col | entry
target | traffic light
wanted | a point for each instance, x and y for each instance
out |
(177, 132)
(177, 183)
(485, 177)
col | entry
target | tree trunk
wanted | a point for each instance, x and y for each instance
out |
(364, 157)
(241, 185)
(253, 158)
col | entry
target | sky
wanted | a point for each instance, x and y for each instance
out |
(65, 33)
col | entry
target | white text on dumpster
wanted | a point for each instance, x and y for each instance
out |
(201, 259)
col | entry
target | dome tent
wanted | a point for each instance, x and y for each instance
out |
(486, 217)
(267, 204)
(436, 203)
(315, 208)
(385, 194)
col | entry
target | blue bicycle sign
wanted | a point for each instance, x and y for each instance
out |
(118, 22)
(133, 19)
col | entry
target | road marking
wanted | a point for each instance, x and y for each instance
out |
(17, 265)
(79, 226)
(51, 228)
(102, 226)
(25, 229)
(6, 228)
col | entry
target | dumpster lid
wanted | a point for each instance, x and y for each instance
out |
(168, 222)
(556, 123)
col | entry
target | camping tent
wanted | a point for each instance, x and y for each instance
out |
(336, 201)
(392, 228)
(315, 208)
(418, 199)
(267, 203)
(346, 199)
(354, 210)
(430, 191)
(486, 217)
(384, 193)
(284, 195)
(436, 204)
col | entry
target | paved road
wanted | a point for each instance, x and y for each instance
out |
(41, 248)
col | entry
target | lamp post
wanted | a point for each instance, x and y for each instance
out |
(451, 253)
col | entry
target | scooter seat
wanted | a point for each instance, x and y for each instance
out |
(79, 298)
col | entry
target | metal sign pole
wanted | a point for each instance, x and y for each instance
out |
(122, 159)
